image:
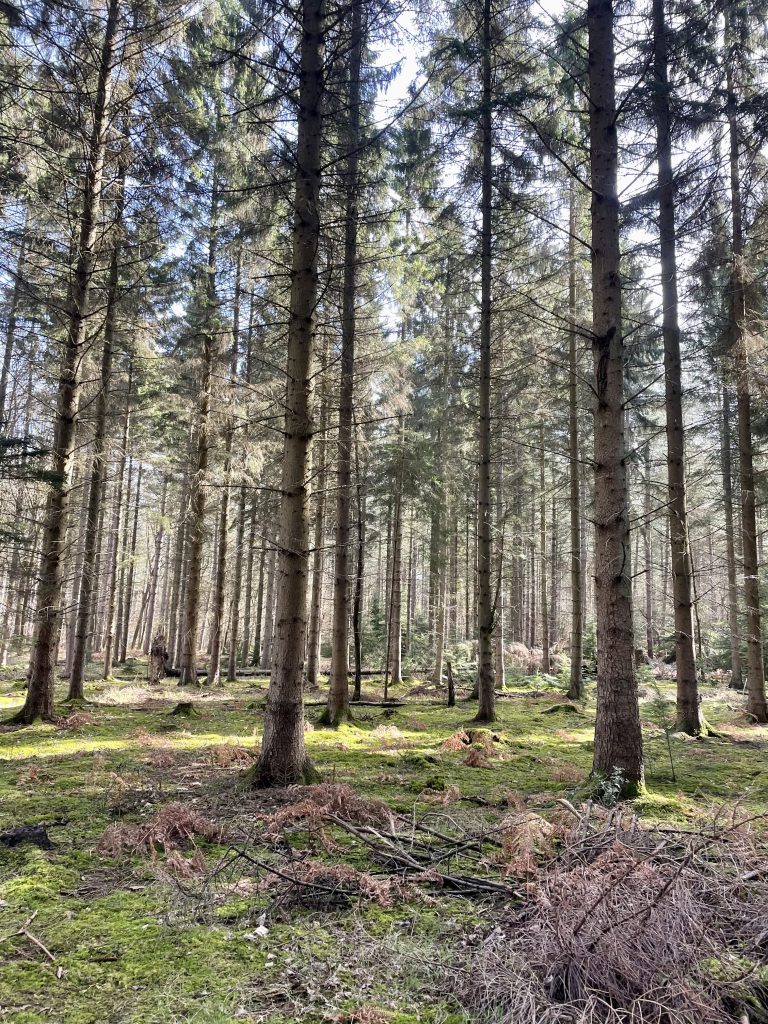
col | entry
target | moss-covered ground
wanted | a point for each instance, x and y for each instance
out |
(87, 938)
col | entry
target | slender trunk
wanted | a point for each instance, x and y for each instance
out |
(178, 567)
(689, 718)
(618, 740)
(283, 757)
(756, 700)
(237, 587)
(40, 693)
(13, 310)
(110, 628)
(442, 590)
(733, 593)
(155, 571)
(316, 600)
(220, 579)
(269, 604)
(196, 514)
(99, 459)
(357, 610)
(486, 711)
(338, 692)
(248, 597)
(128, 597)
(265, 559)
(394, 666)
(544, 599)
(576, 683)
(648, 555)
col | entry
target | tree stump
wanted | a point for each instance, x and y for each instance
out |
(158, 656)
(451, 687)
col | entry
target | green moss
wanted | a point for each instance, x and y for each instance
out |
(126, 953)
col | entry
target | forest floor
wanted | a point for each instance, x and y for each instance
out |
(162, 920)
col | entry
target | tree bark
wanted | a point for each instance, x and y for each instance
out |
(155, 571)
(99, 461)
(756, 700)
(283, 758)
(733, 593)
(196, 513)
(338, 693)
(618, 740)
(128, 596)
(689, 717)
(40, 693)
(486, 711)
(321, 454)
(10, 331)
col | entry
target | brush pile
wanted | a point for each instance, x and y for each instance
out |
(633, 925)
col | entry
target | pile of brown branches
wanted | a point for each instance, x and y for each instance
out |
(633, 924)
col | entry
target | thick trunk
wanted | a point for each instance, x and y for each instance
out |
(618, 740)
(486, 711)
(39, 700)
(283, 757)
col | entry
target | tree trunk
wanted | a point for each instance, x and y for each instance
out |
(40, 693)
(733, 593)
(220, 579)
(338, 693)
(283, 758)
(689, 718)
(756, 701)
(175, 626)
(648, 555)
(110, 629)
(196, 514)
(10, 331)
(248, 597)
(128, 596)
(576, 683)
(237, 587)
(618, 740)
(357, 609)
(544, 598)
(155, 571)
(98, 462)
(486, 711)
(269, 605)
(321, 455)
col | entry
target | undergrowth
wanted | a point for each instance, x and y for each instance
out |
(129, 923)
